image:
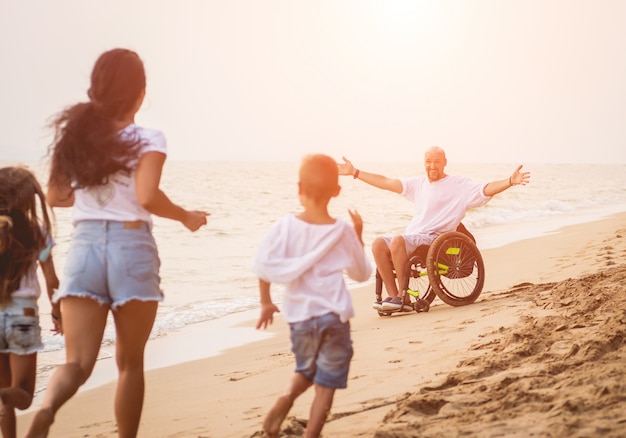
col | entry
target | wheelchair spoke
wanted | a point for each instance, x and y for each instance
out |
(457, 271)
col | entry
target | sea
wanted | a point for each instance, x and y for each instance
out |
(206, 276)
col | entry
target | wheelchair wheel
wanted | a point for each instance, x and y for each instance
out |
(418, 284)
(455, 269)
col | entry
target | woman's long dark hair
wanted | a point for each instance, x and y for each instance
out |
(21, 235)
(87, 148)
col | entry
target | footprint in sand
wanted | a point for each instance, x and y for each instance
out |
(255, 412)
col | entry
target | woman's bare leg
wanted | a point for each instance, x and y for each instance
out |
(320, 408)
(276, 415)
(133, 323)
(84, 321)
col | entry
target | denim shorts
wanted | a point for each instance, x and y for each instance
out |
(112, 262)
(20, 332)
(323, 349)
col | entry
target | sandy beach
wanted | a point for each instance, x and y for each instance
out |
(541, 353)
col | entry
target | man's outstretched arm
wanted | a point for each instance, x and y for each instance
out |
(517, 178)
(373, 179)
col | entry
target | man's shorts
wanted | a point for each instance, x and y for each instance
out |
(323, 350)
(412, 241)
(112, 262)
(20, 332)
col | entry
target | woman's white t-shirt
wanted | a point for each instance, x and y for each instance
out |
(117, 200)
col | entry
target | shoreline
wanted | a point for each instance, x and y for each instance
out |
(496, 236)
(261, 368)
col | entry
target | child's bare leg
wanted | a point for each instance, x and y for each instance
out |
(276, 415)
(6, 426)
(7, 421)
(322, 402)
(18, 386)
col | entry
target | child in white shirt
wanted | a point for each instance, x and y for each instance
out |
(309, 252)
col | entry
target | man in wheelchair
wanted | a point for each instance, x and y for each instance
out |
(441, 202)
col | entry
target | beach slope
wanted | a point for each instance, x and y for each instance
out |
(541, 353)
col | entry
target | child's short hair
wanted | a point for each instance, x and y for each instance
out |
(319, 176)
(22, 224)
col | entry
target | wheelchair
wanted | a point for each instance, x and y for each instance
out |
(450, 268)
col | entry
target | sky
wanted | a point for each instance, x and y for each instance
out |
(490, 81)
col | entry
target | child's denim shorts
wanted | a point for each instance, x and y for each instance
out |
(112, 262)
(20, 332)
(323, 350)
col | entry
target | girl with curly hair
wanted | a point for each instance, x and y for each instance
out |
(25, 243)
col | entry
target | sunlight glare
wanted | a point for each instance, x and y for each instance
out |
(404, 19)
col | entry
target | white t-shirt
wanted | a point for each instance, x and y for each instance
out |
(310, 260)
(117, 200)
(29, 285)
(441, 205)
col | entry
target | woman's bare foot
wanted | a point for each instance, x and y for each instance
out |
(41, 423)
(276, 415)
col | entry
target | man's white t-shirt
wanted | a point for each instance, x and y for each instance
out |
(441, 205)
(117, 200)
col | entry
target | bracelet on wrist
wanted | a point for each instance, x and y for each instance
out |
(510, 182)
(356, 174)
